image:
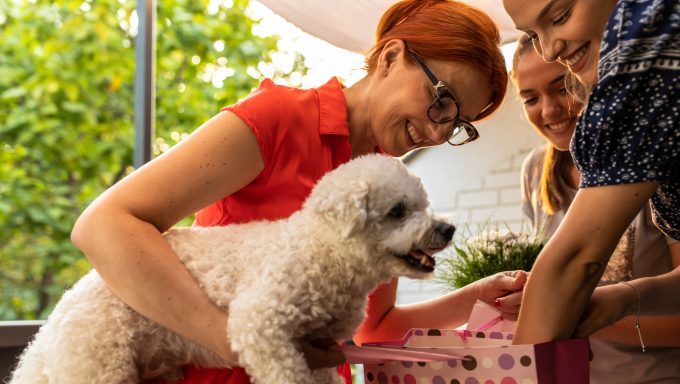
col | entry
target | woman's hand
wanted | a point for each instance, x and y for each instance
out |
(607, 305)
(504, 291)
(321, 353)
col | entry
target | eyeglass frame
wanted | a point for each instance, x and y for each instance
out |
(441, 92)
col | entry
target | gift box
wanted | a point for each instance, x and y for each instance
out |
(485, 317)
(463, 356)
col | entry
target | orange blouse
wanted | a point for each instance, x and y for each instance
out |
(302, 135)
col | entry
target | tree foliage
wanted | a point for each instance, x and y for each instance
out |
(66, 117)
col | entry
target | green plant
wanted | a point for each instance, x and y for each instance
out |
(66, 116)
(486, 253)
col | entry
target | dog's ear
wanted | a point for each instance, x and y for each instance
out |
(357, 212)
(344, 205)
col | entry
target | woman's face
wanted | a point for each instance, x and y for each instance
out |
(399, 120)
(547, 105)
(568, 31)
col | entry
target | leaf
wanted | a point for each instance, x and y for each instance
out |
(13, 93)
(67, 118)
(74, 107)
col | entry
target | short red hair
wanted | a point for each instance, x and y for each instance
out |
(448, 31)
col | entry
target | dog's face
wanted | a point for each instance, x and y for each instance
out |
(378, 200)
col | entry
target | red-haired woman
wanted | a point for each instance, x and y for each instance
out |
(436, 67)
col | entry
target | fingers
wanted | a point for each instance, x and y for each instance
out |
(511, 280)
(509, 305)
(513, 283)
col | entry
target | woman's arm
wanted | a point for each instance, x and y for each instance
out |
(572, 262)
(120, 232)
(387, 321)
(609, 304)
(658, 296)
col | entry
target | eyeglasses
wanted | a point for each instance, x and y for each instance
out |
(444, 109)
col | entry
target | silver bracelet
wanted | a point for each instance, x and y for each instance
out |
(637, 324)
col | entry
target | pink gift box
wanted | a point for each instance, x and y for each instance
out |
(482, 357)
(485, 317)
(481, 354)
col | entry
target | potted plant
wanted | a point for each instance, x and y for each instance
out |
(487, 252)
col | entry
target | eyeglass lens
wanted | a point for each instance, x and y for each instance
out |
(443, 109)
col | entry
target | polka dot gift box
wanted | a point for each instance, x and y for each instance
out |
(476, 357)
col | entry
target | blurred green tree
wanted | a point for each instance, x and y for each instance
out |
(66, 116)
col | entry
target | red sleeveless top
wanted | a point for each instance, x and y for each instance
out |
(302, 135)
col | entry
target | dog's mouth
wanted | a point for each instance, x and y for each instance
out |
(421, 259)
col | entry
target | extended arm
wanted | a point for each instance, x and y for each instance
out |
(387, 321)
(120, 232)
(658, 296)
(572, 262)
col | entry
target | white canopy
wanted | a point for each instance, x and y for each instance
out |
(351, 24)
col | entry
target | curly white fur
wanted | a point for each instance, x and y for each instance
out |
(305, 276)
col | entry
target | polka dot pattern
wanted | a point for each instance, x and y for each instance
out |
(506, 361)
(503, 364)
(470, 363)
(630, 129)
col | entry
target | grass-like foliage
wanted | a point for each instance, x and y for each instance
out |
(486, 253)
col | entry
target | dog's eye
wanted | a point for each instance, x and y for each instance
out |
(398, 211)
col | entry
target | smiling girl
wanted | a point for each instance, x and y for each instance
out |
(549, 182)
(627, 147)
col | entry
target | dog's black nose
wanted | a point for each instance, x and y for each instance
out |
(445, 230)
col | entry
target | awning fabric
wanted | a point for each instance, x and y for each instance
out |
(350, 24)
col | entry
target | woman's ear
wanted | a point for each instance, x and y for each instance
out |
(392, 53)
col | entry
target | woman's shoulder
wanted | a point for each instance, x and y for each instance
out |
(274, 95)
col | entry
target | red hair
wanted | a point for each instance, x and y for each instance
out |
(446, 30)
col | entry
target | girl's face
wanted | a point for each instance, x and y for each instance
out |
(568, 31)
(547, 105)
(403, 93)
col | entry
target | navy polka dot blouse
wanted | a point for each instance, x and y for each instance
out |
(630, 130)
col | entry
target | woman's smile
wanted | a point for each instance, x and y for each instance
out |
(413, 135)
(561, 126)
(577, 60)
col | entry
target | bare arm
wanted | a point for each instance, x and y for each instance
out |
(659, 331)
(572, 262)
(120, 232)
(658, 294)
(387, 321)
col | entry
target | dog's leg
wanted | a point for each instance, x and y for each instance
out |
(86, 340)
(29, 369)
(262, 337)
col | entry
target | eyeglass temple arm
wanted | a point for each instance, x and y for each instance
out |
(429, 73)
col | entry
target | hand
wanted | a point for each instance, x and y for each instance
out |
(504, 291)
(321, 353)
(607, 305)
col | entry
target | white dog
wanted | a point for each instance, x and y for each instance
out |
(307, 276)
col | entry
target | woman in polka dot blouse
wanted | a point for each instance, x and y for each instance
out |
(626, 146)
